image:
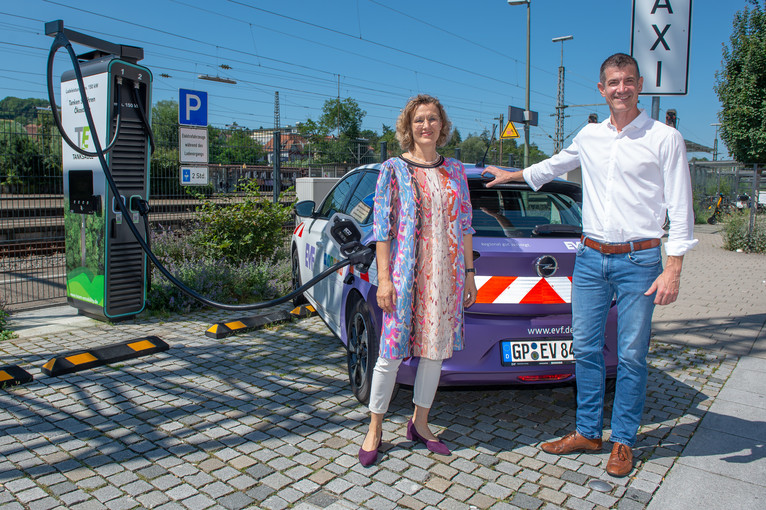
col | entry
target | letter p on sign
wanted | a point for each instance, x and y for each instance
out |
(192, 107)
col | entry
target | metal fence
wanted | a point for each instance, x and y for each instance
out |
(31, 196)
(727, 177)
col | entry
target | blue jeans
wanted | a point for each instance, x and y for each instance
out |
(597, 279)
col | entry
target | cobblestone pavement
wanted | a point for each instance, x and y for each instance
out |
(266, 420)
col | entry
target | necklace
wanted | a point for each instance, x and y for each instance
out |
(432, 162)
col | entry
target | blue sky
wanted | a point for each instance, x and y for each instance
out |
(471, 54)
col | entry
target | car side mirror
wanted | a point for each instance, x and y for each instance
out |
(305, 208)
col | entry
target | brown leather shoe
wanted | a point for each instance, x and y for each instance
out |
(572, 442)
(620, 461)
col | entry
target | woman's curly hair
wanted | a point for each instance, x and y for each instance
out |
(404, 122)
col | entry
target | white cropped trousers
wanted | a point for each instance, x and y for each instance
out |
(384, 380)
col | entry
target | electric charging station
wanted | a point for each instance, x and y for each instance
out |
(106, 268)
(105, 198)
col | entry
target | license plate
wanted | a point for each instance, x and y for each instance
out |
(546, 351)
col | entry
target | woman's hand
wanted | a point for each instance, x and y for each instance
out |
(386, 296)
(469, 290)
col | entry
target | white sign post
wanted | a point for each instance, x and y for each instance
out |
(194, 175)
(193, 141)
(192, 145)
(193, 153)
(660, 41)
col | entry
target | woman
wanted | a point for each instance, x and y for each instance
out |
(424, 254)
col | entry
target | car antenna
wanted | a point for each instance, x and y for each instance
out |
(480, 164)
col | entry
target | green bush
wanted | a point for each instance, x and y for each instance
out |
(234, 254)
(242, 231)
(4, 333)
(735, 233)
(216, 279)
(700, 206)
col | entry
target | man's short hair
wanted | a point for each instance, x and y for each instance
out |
(618, 60)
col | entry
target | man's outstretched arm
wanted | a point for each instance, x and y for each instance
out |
(502, 176)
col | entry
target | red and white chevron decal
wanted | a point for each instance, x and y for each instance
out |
(363, 276)
(524, 290)
(299, 227)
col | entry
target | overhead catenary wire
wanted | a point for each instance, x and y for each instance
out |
(499, 105)
(378, 96)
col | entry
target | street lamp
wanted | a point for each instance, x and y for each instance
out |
(527, 114)
(715, 142)
(558, 139)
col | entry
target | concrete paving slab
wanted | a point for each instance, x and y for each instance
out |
(749, 398)
(726, 454)
(47, 321)
(747, 380)
(688, 488)
(752, 363)
(737, 419)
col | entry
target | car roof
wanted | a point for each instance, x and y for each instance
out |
(473, 173)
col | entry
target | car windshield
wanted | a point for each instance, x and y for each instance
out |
(523, 213)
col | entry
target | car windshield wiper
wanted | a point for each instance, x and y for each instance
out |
(557, 230)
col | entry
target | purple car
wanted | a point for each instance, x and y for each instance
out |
(519, 331)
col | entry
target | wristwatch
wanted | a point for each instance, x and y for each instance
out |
(470, 270)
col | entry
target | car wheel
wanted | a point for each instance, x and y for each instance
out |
(296, 274)
(361, 351)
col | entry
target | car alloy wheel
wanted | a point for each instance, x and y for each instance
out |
(296, 274)
(361, 350)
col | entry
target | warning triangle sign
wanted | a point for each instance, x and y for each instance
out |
(509, 131)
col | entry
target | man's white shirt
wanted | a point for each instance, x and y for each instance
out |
(630, 180)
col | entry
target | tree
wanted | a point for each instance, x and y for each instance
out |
(472, 149)
(455, 140)
(233, 145)
(165, 124)
(16, 157)
(23, 111)
(165, 166)
(741, 86)
(343, 115)
(392, 144)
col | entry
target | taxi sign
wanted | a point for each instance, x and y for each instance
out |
(509, 131)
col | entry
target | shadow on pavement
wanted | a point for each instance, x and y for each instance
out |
(275, 390)
(733, 334)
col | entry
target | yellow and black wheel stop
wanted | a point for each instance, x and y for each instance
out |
(303, 311)
(91, 358)
(223, 329)
(13, 375)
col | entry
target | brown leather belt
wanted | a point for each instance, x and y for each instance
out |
(618, 248)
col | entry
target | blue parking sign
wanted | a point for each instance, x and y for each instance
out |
(192, 107)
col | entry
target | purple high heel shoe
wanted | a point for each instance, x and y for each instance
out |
(366, 458)
(434, 446)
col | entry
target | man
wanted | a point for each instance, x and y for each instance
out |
(634, 169)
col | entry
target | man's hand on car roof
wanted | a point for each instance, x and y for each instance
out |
(501, 176)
